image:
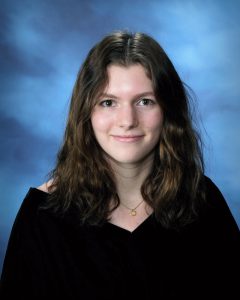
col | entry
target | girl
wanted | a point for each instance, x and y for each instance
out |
(128, 211)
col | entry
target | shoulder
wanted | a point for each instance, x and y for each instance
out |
(46, 186)
(217, 209)
(35, 204)
(214, 196)
(28, 216)
(33, 199)
(210, 185)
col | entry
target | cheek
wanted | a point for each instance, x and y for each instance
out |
(154, 121)
(100, 122)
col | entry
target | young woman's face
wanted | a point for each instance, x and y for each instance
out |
(127, 119)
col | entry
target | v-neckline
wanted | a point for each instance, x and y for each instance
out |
(111, 225)
(127, 231)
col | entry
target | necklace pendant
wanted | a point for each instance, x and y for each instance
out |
(133, 212)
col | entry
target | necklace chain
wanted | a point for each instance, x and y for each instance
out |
(133, 211)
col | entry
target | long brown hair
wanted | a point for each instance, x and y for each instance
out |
(82, 177)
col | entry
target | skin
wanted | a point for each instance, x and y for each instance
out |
(127, 122)
(127, 119)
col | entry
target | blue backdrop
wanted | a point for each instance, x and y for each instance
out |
(43, 44)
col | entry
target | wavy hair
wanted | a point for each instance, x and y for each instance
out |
(83, 179)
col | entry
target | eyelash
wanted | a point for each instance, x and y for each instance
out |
(150, 101)
(103, 103)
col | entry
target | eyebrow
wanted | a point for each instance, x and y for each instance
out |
(106, 95)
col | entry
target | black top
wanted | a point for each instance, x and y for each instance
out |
(48, 256)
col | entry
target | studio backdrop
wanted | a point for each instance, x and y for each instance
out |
(44, 42)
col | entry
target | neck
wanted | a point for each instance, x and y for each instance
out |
(129, 179)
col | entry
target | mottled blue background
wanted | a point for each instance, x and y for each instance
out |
(43, 44)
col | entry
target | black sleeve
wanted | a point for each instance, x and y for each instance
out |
(222, 245)
(219, 211)
(23, 264)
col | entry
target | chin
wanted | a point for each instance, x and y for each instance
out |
(129, 160)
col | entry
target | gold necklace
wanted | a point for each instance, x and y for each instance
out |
(133, 211)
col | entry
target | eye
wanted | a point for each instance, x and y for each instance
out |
(146, 101)
(106, 103)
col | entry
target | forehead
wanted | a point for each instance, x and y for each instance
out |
(134, 67)
(127, 76)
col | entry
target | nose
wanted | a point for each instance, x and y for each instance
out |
(127, 117)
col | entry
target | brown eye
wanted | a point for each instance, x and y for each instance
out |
(145, 102)
(106, 103)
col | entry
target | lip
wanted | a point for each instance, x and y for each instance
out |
(127, 138)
